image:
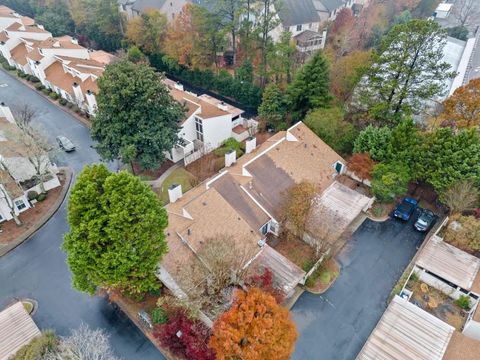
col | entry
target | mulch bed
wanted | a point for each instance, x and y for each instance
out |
(153, 173)
(296, 250)
(332, 266)
(31, 217)
(262, 137)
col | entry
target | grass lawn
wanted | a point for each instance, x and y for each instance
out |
(179, 176)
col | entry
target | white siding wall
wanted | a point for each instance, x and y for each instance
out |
(29, 35)
(217, 130)
(6, 22)
(472, 329)
(76, 53)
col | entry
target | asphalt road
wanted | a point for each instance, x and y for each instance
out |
(335, 326)
(37, 269)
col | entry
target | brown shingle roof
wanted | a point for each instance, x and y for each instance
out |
(207, 110)
(64, 42)
(3, 36)
(35, 55)
(25, 28)
(301, 156)
(211, 216)
(6, 11)
(462, 347)
(19, 54)
(56, 75)
(103, 57)
(10, 185)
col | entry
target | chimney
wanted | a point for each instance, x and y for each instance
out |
(77, 91)
(250, 144)
(74, 41)
(6, 112)
(222, 106)
(178, 86)
(230, 157)
(174, 192)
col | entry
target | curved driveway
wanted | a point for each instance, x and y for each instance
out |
(37, 268)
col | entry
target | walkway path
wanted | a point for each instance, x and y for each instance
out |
(158, 182)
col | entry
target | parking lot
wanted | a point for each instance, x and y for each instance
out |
(336, 324)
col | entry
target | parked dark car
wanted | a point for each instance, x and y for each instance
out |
(405, 209)
(425, 220)
(65, 144)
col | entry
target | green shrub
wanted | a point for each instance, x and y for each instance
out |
(310, 282)
(32, 195)
(227, 145)
(39, 86)
(307, 265)
(54, 95)
(38, 347)
(33, 79)
(63, 102)
(464, 302)
(41, 197)
(414, 277)
(46, 91)
(159, 316)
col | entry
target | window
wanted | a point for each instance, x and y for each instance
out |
(338, 167)
(264, 229)
(20, 204)
(199, 128)
(299, 27)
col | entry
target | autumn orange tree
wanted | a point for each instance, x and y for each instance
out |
(463, 107)
(362, 165)
(181, 37)
(147, 31)
(297, 206)
(255, 327)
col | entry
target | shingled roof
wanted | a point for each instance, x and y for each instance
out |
(296, 12)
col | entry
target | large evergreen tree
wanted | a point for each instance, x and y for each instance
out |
(116, 234)
(272, 108)
(407, 71)
(446, 157)
(310, 88)
(135, 112)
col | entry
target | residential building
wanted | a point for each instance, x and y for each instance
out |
(328, 10)
(295, 16)
(243, 204)
(208, 123)
(133, 8)
(17, 172)
(408, 330)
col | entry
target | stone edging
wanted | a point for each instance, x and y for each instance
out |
(381, 219)
(28, 234)
(77, 117)
(329, 285)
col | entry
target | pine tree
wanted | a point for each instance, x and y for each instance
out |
(272, 108)
(408, 70)
(310, 88)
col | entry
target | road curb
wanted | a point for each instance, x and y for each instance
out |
(73, 114)
(382, 219)
(48, 215)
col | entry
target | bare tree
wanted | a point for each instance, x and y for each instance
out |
(5, 178)
(465, 10)
(222, 264)
(461, 197)
(83, 344)
(37, 150)
(24, 114)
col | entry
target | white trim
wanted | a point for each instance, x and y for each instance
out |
(207, 184)
(258, 204)
(262, 153)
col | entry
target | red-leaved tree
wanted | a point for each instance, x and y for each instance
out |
(255, 327)
(361, 164)
(184, 337)
(265, 282)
